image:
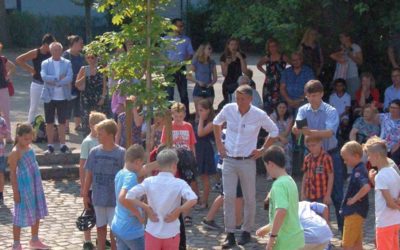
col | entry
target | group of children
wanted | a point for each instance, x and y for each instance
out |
(113, 186)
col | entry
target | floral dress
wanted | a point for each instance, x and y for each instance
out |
(365, 130)
(270, 92)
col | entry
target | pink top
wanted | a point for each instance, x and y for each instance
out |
(117, 102)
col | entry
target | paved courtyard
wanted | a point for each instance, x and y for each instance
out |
(64, 203)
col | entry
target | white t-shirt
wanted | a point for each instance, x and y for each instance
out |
(386, 179)
(58, 91)
(340, 103)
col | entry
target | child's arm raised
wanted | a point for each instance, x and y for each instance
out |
(12, 163)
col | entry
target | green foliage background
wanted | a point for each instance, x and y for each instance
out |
(370, 22)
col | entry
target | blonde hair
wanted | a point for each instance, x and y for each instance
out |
(134, 152)
(178, 107)
(307, 35)
(96, 117)
(309, 139)
(353, 148)
(376, 145)
(108, 125)
(200, 54)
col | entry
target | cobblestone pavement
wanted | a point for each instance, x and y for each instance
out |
(58, 229)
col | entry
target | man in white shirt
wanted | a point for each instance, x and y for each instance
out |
(56, 73)
(244, 122)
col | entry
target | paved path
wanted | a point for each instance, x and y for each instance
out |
(65, 205)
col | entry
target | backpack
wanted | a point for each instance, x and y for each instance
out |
(39, 127)
(187, 165)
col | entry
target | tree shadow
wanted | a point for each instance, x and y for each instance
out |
(5, 215)
(68, 186)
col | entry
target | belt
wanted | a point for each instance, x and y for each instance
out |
(239, 158)
(333, 150)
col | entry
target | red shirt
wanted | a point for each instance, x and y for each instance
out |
(182, 136)
(374, 94)
(316, 170)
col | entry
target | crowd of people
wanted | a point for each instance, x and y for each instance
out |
(353, 128)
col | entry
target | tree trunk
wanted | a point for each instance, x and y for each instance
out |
(4, 32)
(88, 20)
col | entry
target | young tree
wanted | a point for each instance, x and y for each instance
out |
(144, 65)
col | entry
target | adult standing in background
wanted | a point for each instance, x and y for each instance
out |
(203, 72)
(182, 51)
(37, 56)
(233, 65)
(312, 52)
(348, 58)
(293, 81)
(394, 50)
(57, 74)
(77, 61)
(7, 68)
(275, 62)
(393, 91)
(243, 124)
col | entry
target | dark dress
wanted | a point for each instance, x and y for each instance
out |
(230, 82)
(205, 154)
(311, 56)
(90, 96)
(271, 89)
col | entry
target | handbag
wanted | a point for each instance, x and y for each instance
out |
(11, 90)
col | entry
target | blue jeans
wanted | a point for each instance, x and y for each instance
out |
(136, 244)
(338, 183)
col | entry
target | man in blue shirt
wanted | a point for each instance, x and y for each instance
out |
(293, 80)
(323, 121)
(182, 51)
(393, 91)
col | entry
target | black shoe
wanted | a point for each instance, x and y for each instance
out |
(65, 150)
(50, 150)
(108, 243)
(1, 199)
(88, 246)
(229, 241)
(210, 224)
(244, 238)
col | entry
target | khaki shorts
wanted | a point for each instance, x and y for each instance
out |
(352, 230)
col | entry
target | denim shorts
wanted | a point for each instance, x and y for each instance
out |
(137, 244)
(2, 164)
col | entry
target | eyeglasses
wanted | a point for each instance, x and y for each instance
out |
(90, 57)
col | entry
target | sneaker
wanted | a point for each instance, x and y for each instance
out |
(244, 238)
(37, 245)
(88, 246)
(210, 224)
(229, 241)
(65, 150)
(50, 150)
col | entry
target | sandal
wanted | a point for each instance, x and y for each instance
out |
(188, 221)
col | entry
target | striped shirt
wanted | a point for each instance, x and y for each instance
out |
(316, 170)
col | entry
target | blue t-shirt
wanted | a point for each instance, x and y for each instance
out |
(359, 177)
(203, 71)
(295, 82)
(124, 224)
(104, 165)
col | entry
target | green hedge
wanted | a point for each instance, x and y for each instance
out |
(27, 30)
